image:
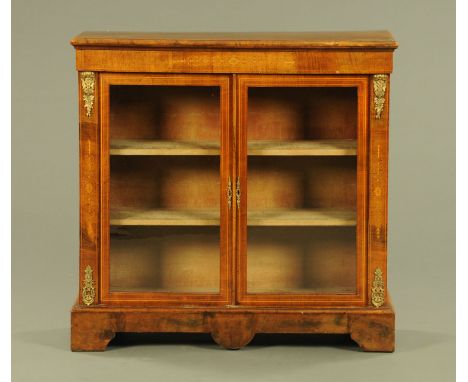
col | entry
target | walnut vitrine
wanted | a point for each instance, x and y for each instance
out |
(233, 184)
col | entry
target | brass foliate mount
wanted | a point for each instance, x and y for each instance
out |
(378, 289)
(380, 87)
(229, 193)
(88, 80)
(88, 293)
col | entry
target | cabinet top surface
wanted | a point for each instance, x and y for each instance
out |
(239, 40)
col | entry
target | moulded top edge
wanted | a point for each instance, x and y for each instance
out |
(239, 40)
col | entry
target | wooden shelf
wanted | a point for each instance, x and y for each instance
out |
(160, 147)
(165, 217)
(121, 289)
(283, 218)
(301, 218)
(324, 147)
(311, 290)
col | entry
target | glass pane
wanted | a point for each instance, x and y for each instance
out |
(164, 189)
(158, 259)
(301, 198)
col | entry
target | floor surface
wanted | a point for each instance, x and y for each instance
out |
(267, 358)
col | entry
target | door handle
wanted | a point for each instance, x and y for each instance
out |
(238, 193)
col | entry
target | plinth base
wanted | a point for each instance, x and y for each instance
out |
(232, 327)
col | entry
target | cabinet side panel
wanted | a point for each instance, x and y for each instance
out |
(378, 189)
(89, 187)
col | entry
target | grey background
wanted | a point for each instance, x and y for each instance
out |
(45, 193)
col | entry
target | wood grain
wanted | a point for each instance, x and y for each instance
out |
(238, 61)
(284, 186)
(207, 217)
(299, 112)
(288, 116)
(322, 147)
(158, 147)
(372, 329)
(239, 40)
(177, 259)
(90, 234)
(165, 182)
(120, 192)
(296, 182)
(145, 108)
(378, 190)
(301, 218)
(200, 217)
(301, 261)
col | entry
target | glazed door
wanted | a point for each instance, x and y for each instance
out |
(165, 164)
(302, 189)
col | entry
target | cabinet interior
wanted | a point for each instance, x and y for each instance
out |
(301, 260)
(165, 113)
(314, 250)
(164, 259)
(302, 113)
(164, 188)
(165, 162)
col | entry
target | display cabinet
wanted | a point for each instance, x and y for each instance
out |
(233, 184)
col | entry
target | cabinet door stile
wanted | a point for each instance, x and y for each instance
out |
(241, 175)
(232, 176)
(177, 182)
(362, 188)
(289, 200)
(226, 176)
(105, 188)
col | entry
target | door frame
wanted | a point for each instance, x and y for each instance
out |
(224, 296)
(242, 83)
